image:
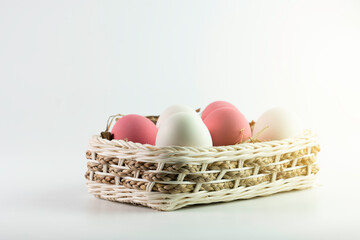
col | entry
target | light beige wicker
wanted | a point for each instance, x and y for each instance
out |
(169, 178)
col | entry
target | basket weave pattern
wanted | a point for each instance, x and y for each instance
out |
(168, 178)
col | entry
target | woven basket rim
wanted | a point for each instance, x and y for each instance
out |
(304, 136)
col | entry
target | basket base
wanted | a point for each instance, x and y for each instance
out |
(168, 202)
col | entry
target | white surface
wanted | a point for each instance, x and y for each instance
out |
(65, 210)
(65, 66)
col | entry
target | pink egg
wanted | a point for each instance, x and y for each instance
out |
(215, 105)
(227, 126)
(135, 128)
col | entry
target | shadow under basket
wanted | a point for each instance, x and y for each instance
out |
(169, 178)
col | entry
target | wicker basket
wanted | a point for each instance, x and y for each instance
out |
(169, 178)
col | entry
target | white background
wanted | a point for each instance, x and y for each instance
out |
(65, 66)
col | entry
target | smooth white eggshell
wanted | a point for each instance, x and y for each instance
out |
(281, 122)
(177, 108)
(183, 129)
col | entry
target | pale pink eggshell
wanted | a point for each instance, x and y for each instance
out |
(135, 128)
(227, 126)
(213, 106)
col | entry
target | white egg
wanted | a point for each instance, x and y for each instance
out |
(276, 124)
(183, 129)
(172, 110)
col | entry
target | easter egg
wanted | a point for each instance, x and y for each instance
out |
(172, 110)
(276, 124)
(135, 128)
(183, 129)
(213, 106)
(227, 126)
